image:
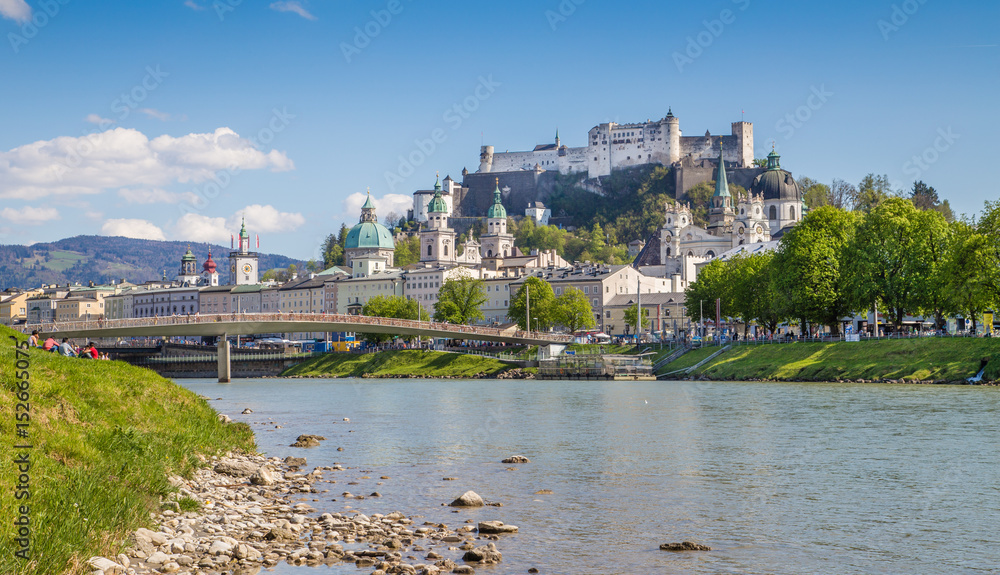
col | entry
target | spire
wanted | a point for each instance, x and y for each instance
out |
(497, 210)
(772, 160)
(437, 181)
(721, 185)
(368, 210)
(557, 136)
(243, 228)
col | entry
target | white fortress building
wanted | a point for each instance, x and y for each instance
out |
(611, 146)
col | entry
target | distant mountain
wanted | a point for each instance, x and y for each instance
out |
(101, 259)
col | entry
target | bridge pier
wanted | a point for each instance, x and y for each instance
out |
(223, 358)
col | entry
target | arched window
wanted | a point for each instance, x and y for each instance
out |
(710, 254)
(774, 213)
(428, 250)
(791, 213)
(489, 253)
(668, 252)
(446, 250)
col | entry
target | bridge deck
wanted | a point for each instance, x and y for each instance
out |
(257, 323)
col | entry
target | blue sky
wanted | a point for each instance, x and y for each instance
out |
(171, 119)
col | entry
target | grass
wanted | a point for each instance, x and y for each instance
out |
(105, 437)
(59, 260)
(400, 363)
(913, 359)
(595, 348)
(692, 357)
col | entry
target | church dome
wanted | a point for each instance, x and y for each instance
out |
(497, 210)
(209, 265)
(188, 256)
(775, 183)
(369, 233)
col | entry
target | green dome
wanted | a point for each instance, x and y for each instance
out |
(369, 235)
(437, 205)
(188, 256)
(496, 210)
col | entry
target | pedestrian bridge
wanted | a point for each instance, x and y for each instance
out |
(224, 325)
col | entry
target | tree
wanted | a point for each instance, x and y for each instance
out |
(312, 266)
(713, 283)
(925, 197)
(393, 306)
(969, 272)
(754, 298)
(888, 261)
(572, 310)
(842, 194)
(872, 191)
(814, 193)
(699, 197)
(407, 252)
(935, 234)
(535, 296)
(460, 300)
(810, 259)
(631, 317)
(333, 248)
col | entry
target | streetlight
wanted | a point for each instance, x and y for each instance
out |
(536, 325)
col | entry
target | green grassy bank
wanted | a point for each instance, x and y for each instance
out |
(104, 437)
(399, 363)
(926, 359)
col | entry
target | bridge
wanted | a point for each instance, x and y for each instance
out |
(225, 325)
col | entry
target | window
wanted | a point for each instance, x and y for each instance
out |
(445, 250)
(607, 314)
(774, 213)
(595, 302)
(791, 213)
(428, 250)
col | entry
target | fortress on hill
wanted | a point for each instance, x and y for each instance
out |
(612, 146)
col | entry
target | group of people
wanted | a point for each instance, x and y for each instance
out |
(66, 348)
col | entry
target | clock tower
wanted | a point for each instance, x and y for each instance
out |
(242, 262)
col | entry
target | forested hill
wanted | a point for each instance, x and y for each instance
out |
(101, 259)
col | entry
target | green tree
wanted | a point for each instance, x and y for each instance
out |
(631, 317)
(407, 252)
(392, 306)
(888, 261)
(814, 193)
(713, 282)
(572, 310)
(871, 192)
(969, 273)
(535, 296)
(754, 298)
(810, 258)
(925, 197)
(333, 248)
(700, 197)
(935, 236)
(460, 300)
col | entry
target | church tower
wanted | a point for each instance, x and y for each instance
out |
(242, 262)
(497, 243)
(721, 215)
(437, 241)
(209, 275)
(188, 274)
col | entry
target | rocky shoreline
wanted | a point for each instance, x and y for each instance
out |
(255, 512)
(515, 373)
(823, 380)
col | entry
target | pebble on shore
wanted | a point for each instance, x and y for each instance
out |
(249, 520)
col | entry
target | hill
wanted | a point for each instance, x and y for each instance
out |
(102, 259)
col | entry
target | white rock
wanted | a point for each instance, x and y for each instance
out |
(106, 566)
(220, 547)
(158, 558)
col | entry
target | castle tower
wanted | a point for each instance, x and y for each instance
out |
(673, 136)
(188, 274)
(486, 159)
(209, 274)
(497, 243)
(437, 242)
(721, 215)
(744, 144)
(242, 262)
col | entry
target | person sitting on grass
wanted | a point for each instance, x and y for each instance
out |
(66, 348)
(33, 340)
(50, 344)
(89, 351)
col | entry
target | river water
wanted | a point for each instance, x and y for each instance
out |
(775, 477)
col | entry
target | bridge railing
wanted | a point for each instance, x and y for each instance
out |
(358, 320)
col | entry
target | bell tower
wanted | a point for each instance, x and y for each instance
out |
(243, 268)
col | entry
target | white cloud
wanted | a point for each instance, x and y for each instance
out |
(198, 228)
(261, 219)
(156, 196)
(29, 215)
(17, 10)
(96, 119)
(194, 5)
(398, 203)
(132, 228)
(126, 157)
(292, 6)
(153, 113)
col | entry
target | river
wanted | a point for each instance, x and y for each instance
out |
(775, 477)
